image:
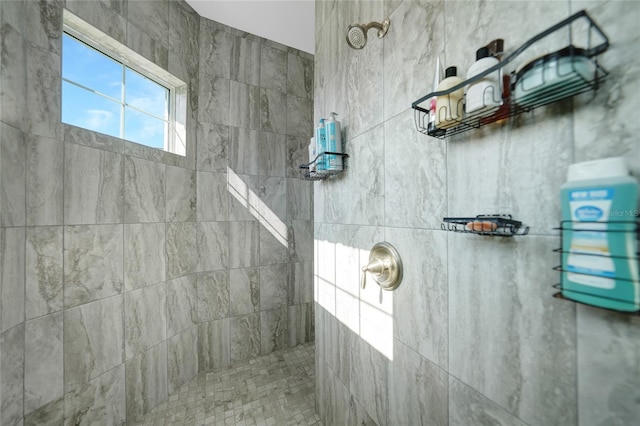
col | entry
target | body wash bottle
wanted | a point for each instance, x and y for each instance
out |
(334, 143)
(450, 107)
(483, 96)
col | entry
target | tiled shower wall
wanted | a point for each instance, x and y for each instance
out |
(472, 336)
(125, 270)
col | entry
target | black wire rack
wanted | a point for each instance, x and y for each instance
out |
(495, 225)
(307, 172)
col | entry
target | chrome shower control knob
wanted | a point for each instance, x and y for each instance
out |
(384, 265)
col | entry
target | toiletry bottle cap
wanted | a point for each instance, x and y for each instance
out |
(496, 47)
(451, 72)
(598, 169)
(332, 116)
(483, 52)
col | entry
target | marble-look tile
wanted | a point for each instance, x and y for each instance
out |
(45, 165)
(271, 209)
(13, 157)
(44, 92)
(13, 64)
(301, 241)
(299, 199)
(525, 345)
(213, 295)
(100, 16)
(410, 57)
(213, 246)
(419, 390)
(337, 405)
(244, 332)
(244, 155)
(300, 76)
(154, 20)
(420, 302)
(358, 415)
(213, 146)
(93, 263)
(93, 182)
(101, 400)
(182, 249)
(12, 276)
(244, 107)
(273, 111)
(273, 68)
(244, 244)
(243, 200)
(50, 414)
(608, 377)
(144, 191)
(43, 361)
(145, 319)
(213, 197)
(93, 340)
(89, 138)
(468, 407)
(423, 203)
(244, 291)
(273, 330)
(181, 194)
(344, 205)
(182, 301)
(295, 334)
(12, 369)
(245, 60)
(300, 282)
(369, 380)
(272, 153)
(339, 343)
(324, 268)
(297, 153)
(44, 256)
(300, 117)
(44, 20)
(182, 358)
(184, 33)
(214, 100)
(146, 381)
(147, 46)
(213, 344)
(272, 246)
(215, 50)
(144, 254)
(273, 286)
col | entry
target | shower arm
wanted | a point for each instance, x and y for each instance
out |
(381, 27)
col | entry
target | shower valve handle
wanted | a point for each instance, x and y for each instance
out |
(376, 267)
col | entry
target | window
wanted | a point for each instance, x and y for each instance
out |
(110, 89)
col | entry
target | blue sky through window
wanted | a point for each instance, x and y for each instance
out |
(101, 94)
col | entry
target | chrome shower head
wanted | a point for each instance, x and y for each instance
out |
(357, 33)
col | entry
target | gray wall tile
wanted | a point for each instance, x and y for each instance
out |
(213, 246)
(181, 249)
(182, 306)
(182, 358)
(152, 20)
(12, 344)
(93, 186)
(244, 106)
(245, 60)
(299, 117)
(93, 263)
(146, 380)
(369, 380)
(244, 291)
(100, 16)
(244, 333)
(244, 157)
(144, 191)
(12, 176)
(213, 147)
(45, 181)
(44, 92)
(244, 244)
(44, 271)
(272, 152)
(273, 286)
(50, 414)
(213, 295)
(213, 197)
(181, 194)
(300, 76)
(215, 50)
(273, 111)
(93, 340)
(43, 361)
(144, 254)
(214, 100)
(13, 100)
(273, 68)
(145, 319)
(213, 344)
(274, 333)
(12, 276)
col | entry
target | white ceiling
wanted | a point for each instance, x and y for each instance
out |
(290, 22)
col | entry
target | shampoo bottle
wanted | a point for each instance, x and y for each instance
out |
(312, 154)
(449, 108)
(599, 241)
(334, 143)
(483, 96)
(321, 145)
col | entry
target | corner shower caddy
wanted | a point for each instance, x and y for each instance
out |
(626, 227)
(307, 174)
(509, 107)
(499, 225)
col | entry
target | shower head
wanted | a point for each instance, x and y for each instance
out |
(357, 33)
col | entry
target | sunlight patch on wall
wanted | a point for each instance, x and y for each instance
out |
(258, 209)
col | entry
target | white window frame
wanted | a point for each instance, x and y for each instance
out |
(175, 140)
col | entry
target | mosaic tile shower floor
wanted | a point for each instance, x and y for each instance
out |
(275, 389)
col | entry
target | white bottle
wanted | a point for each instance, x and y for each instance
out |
(312, 155)
(449, 108)
(484, 95)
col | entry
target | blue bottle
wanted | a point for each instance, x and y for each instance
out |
(334, 143)
(599, 242)
(321, 146)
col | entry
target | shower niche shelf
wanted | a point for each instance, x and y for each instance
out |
(307, 174)
(542, 81)
(494, 225)
(591, 295)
